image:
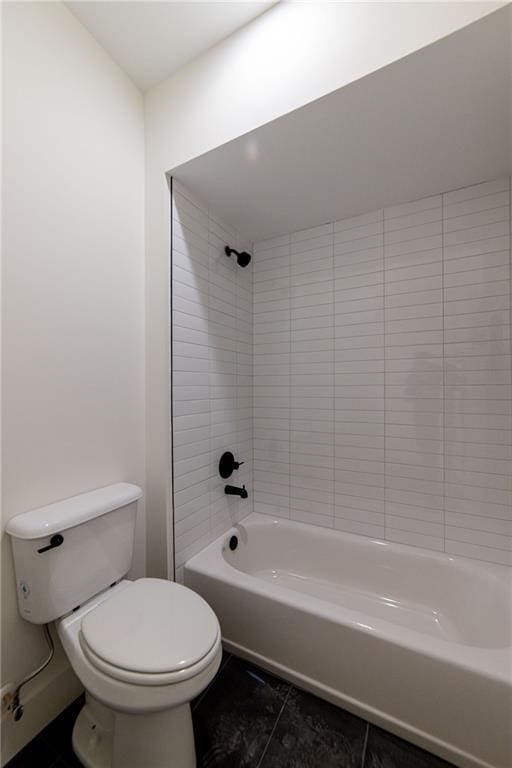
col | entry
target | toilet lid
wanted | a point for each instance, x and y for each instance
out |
(153, 626)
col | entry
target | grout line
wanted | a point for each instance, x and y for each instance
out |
(211, 344)
(172, 522)
(443, 363)
(59, 761)
(384, 409)
(274, 728)
(452, 231)
(363, 757)
(510, 270)
(289, 409)
(334, 375)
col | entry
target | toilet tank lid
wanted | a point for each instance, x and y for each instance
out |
(57, 517)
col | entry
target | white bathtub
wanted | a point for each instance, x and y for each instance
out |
(414, 641)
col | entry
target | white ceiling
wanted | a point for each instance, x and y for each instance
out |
(438, 119)
(151, 40)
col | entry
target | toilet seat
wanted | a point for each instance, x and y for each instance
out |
(153, 632)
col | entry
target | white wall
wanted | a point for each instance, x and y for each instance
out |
(73, 245)
(382, 374)
(211, 374)
(294, 53)
(73, 299)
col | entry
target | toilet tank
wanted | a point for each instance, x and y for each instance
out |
(66, 552)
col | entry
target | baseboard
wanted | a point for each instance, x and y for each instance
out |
(42, 704)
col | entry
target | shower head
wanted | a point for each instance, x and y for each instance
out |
(243, 258)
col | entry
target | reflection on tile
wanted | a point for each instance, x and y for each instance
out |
(311, 733)
(383, 750)
(396, 340)
(234, 721)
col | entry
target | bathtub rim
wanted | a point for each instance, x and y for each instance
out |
(494, 663)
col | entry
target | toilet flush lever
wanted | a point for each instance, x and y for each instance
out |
(55, 541)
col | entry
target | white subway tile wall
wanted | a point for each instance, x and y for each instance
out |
(212, 361)
(359, 374)
(413, 326)
(271, 366)
(382, 374)
(477, 375)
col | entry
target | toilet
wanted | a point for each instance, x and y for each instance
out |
(142, 649)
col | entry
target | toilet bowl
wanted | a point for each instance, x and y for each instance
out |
(143, 650)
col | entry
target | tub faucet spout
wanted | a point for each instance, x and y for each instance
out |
(232, 490)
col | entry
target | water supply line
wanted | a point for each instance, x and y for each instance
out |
(17, 706)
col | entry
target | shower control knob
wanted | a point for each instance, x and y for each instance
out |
(227, 465)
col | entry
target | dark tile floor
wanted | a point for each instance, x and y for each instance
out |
(248, 718)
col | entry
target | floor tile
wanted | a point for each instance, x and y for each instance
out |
(60, 731)
(384, 750)
(234, 721)
(250, 719)
(39, 752)
(312, 733)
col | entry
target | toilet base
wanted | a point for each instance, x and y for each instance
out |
(103, 738)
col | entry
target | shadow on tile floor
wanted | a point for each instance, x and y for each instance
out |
(234, 721)
(236, 726)
(311, 732)
(248, 718)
